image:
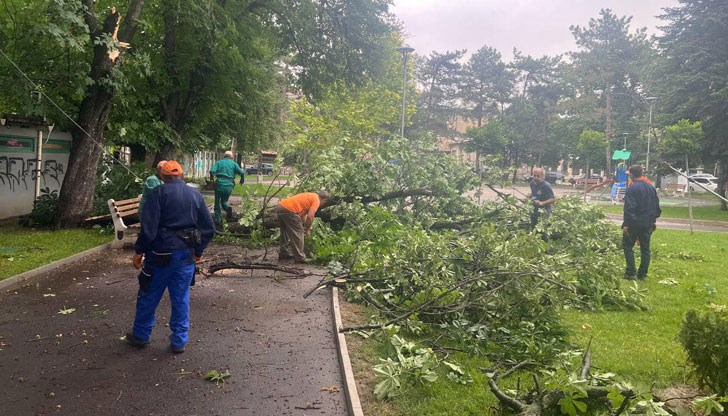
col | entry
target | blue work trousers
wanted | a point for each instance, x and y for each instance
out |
(175, 277)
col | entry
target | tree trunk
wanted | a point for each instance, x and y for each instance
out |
(75, 200)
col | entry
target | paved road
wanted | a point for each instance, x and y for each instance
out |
(279, 347)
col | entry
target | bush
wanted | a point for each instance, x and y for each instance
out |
(705, 339)
(117, 181)
(45, 210)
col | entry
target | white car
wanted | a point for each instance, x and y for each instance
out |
(707, 180)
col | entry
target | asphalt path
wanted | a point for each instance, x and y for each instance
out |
(62, 349)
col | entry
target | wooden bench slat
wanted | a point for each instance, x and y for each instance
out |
(124, 211)
(128, 201)
(127, 213)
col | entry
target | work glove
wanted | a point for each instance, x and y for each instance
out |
(242, 181)
(136, 261)
(654, 227)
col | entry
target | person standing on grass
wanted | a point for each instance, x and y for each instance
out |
(150, 183)
(295, 216)
(176, 229)
(542, 196)
(223, 171)
(641, 210)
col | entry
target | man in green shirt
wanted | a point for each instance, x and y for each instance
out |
(224, 171)
(150, 183)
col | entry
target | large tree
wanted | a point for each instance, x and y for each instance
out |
(693, 77)
(109, 38)
(540, 87)
(487, 85)
(439, 76)
(200, 71)
(608, 65)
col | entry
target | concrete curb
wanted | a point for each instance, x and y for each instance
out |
(13, 282)
(352, 395)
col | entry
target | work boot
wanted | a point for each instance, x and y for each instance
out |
(177, 350)
(132, 339)
(229, 211)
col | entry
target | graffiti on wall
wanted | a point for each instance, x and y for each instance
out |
(19, 173)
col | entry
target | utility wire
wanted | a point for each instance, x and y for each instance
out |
(36, 88)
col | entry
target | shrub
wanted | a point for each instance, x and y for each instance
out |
(705, 339)
(45, 210)
(117, 181)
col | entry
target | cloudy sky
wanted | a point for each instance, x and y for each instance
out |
(535, 27)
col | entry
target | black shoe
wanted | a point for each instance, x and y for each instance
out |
(132, 339)
(630, 277)
(641, 277)
(302, 261)
(177, 350)
(229, 212)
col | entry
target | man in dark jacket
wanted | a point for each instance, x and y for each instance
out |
(542, 196)
(641, 210)
(176, 228)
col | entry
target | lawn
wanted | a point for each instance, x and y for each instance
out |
(640, 346)
(24, 249)
(703, 212)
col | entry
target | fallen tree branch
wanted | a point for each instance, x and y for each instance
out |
(252, 265)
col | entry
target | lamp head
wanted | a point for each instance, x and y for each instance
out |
(405, 49)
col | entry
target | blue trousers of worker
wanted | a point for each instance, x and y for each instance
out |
(175, 277)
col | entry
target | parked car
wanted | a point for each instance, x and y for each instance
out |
(554, 177)
(582, 176)
(265, 169)
(707, 180)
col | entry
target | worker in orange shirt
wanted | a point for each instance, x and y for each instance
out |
(295, 216)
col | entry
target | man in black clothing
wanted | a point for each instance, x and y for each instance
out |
(641, 210)
(542, 196)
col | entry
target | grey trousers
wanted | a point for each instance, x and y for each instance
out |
(291, 234)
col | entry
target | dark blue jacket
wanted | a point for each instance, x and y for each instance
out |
(170, 207)
(641, 205)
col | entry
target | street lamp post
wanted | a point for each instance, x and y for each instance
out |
(404, 51)
(651, 103)
(625, 140)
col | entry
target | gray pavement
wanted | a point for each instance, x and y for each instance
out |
(61, 350)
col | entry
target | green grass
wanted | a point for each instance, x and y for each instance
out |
(23, 249)
(260, 189)
(639, 346)
(644, 345)
(710, 212)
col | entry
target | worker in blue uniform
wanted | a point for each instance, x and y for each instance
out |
(176, 228)
(224, 173)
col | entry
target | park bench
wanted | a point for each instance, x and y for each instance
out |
(119, 211)
(585, 181)
(677, 189)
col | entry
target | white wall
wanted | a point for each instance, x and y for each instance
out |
(18, 167)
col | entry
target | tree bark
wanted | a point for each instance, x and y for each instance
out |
(75, 200)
